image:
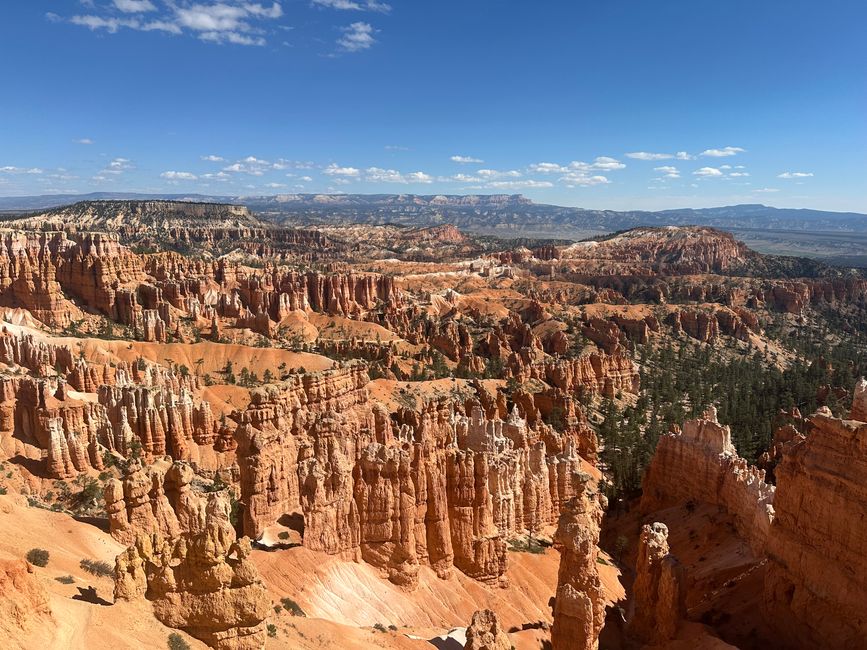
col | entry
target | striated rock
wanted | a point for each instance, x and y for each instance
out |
(659, 590)
(203, 583)
(485, 633)
(815, 587)
(579, 606)
(429, 486)
(701, 464)
(160, 498)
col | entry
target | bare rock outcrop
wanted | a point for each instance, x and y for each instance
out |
(816, 584)
(203, 583)
(859, 401)
(486, 633)
(23, 599)
(161, 498)
(579, 607)
(701, 464)
(659, 588)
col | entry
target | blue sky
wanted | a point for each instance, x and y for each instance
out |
(622, 104)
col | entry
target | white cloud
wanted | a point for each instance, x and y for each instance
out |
(219, 176)
(767, 190)
(582, 179)
(463, 178)
(645, 155)
(250, 165)
(739, 174)
(601, 163)
(118, 166)
(306, 179)
(548, 168)
(396, 147)
(722, 153)
(668, 171)
(350, 5)
(358, 36)
(607, 164)
(236, 22)
(493, 174)
(466, 159)
(9, 169)
(83, 141)
(213, 158)
(112, 25)
(179, 176)
(788, 175)
(275, 186)
(708, 172)
(682, 155)
(336, 170)
(134, 6)
(379, 175)
(519, 185)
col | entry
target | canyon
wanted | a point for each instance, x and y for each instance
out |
(288, 437)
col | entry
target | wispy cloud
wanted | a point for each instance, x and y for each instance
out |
(231, 21)
(708, 172)
(336, 170)
(356, 37)
(519, 185)
(788, 175)
(466, 159)
(722, 153)
(213, 158)
(179, 176)
(351, 5)
(83, 141)
(601, 163)
(668, 171)
(134, 6)
(378, 175)
(646, 155)
(10, 169)
(767, 190)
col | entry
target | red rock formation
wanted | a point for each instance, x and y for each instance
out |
(203, 583)
(701, 464)
(23, 599)
(592, 374)
(815, 587)
(160, 498)
(579, 607)
(859, 402)
(486, 633)
(659, 593)
(422, 487)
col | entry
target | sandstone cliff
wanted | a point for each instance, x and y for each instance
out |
(815, 588)
(701, 464)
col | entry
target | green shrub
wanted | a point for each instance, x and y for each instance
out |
(176, 642)
(97, 568)
(292, 607)
(282, 535)
(379, 627)
(272, 630)
(65, 580)
(37, 556)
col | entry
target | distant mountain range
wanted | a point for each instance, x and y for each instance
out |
(501, 214)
